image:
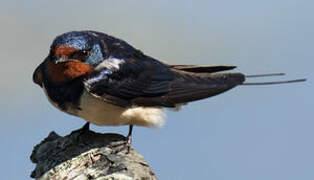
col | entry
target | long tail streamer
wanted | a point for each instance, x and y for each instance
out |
(271, 82)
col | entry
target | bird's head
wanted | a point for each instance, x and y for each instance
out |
(71, 55)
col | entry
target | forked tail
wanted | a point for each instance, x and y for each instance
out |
(270, 82)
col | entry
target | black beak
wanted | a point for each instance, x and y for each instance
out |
(37, 75)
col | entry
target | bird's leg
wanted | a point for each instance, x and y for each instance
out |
(124, 144)
(129, 138)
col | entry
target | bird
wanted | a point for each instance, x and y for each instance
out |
(108, 82)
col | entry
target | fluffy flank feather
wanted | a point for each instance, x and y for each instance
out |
(145, 116)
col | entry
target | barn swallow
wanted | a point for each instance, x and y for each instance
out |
(107, 82)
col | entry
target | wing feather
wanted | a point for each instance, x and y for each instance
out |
(143, 81)
(202, 69)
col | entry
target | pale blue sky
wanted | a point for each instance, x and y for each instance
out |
(248, 133)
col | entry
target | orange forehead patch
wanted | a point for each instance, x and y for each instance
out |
(64, 51)
(67, 71)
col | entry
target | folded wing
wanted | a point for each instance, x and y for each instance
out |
(147, 82)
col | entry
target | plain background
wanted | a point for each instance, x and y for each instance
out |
(247, 133)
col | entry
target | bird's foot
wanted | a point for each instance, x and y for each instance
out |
(128, 143)
(122, 145)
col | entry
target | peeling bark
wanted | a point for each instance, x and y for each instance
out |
(84, 155)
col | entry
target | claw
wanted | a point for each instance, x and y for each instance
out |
(125, 144)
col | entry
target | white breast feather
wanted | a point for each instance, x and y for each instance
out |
(97, 111)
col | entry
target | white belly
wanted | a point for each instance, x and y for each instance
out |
(98, 112)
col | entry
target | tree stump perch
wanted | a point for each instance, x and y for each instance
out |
(84, 155)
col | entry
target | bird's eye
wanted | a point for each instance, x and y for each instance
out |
(80, 55)
(84, 52)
